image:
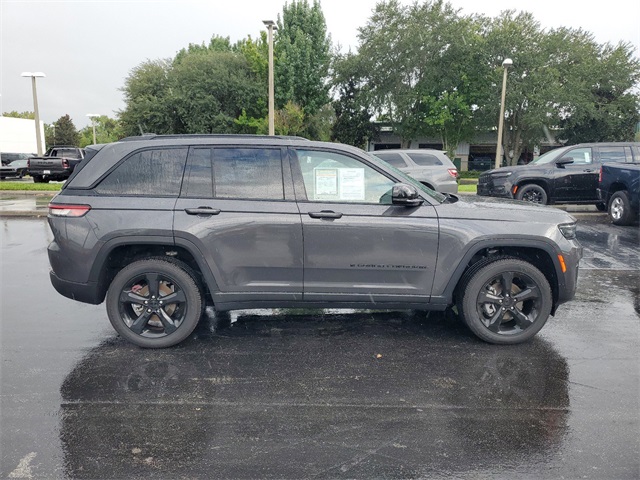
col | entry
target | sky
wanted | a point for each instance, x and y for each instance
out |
(87, 48)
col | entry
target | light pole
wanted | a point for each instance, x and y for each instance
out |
(505, 64)
(93, 117)
(53, 125)
(33, 76)
(271, 26)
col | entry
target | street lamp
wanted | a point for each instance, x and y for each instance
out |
(93, 116)
(33, 76)
(53, 125)
(271, 26)
(505, 64)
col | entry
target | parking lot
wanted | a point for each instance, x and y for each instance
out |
(321, 394)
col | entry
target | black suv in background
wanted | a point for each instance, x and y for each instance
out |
(162, 225)
(564, 175)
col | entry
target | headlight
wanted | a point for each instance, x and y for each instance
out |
(568, 230)
(501, 174)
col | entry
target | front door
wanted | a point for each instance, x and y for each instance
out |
(357, 245)
(576, 181)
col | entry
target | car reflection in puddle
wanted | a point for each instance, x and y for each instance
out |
(301, 393)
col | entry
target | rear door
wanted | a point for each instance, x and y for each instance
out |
(358, 247)
(237, 207)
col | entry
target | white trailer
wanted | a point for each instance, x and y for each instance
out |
(18, 135)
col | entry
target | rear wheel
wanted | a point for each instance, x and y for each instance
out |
(154, 303)
(620, 210)
(505, 301)
(37, 179)
(532, 193)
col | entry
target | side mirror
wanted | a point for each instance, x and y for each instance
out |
(564, 161)
(407, 195)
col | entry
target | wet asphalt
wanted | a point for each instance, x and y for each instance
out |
(321, 394)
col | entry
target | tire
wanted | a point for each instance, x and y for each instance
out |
(37, 179)
(532, 193)
(139, 314)
(498, 317)
(620, 211)
(602, 207)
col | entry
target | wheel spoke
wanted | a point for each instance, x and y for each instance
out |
(153, 282)
(488, 297)
(130, 297)
(495, 321)
(141, 322)
(527, 294)
(522, 320)
(175, 297)
(506, 279)
(167, 322)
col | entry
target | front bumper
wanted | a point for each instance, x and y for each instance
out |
(568, 281)
(490, 187)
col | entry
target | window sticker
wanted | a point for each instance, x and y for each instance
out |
(352, 184)
(326, 183)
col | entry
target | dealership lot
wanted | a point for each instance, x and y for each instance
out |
(296, 394)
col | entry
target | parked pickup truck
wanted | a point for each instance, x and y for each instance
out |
(56, 164)
(620, 190)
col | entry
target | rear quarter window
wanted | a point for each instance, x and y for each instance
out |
(154, 173)
(425, 159)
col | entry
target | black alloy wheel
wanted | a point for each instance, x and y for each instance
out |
(505, 301)
(154, 303)
(532, 193)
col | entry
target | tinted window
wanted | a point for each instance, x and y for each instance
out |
(394, 159)
(425, 159)
(253, 173)
(580, 156)
(332, 177)
(613, 154)
(156, 173)
(199, 180)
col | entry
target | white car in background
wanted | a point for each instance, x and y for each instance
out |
(430, 167)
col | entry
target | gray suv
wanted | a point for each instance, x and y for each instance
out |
(430, 167)
(161, 226)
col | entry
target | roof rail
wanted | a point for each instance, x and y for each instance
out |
(153, 136)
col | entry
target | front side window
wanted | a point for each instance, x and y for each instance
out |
(156, 173)
(333, 177)
(580, 156)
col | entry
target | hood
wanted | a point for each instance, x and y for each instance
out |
(491, 208)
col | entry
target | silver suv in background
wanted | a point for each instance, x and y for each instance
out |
(430, 167)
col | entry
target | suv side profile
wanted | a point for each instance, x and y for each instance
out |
(160, 226)
(564, 175)
(430, 167)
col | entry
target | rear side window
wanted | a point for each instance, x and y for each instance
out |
(614, 154)
(394, 159)
(235, 173)
(425, 159)
(155, 173)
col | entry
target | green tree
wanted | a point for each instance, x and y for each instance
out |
(107, 130)
(15, 114)
(353, 124)
(149, 100)
(424, 69)
(302, 50)
(66, 132)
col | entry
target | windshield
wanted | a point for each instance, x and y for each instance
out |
(549, 157)
(437, 196)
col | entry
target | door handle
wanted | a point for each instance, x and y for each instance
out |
(202, 211)
(325, 214)
(588, 170)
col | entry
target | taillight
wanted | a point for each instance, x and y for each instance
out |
(600, 175)
(58, 210)
(65, 163)
(453, 172)
(28, 163)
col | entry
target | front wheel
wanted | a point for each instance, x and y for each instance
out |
(154, 303)
(620, 210)
(505, 301)
(532, 193)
